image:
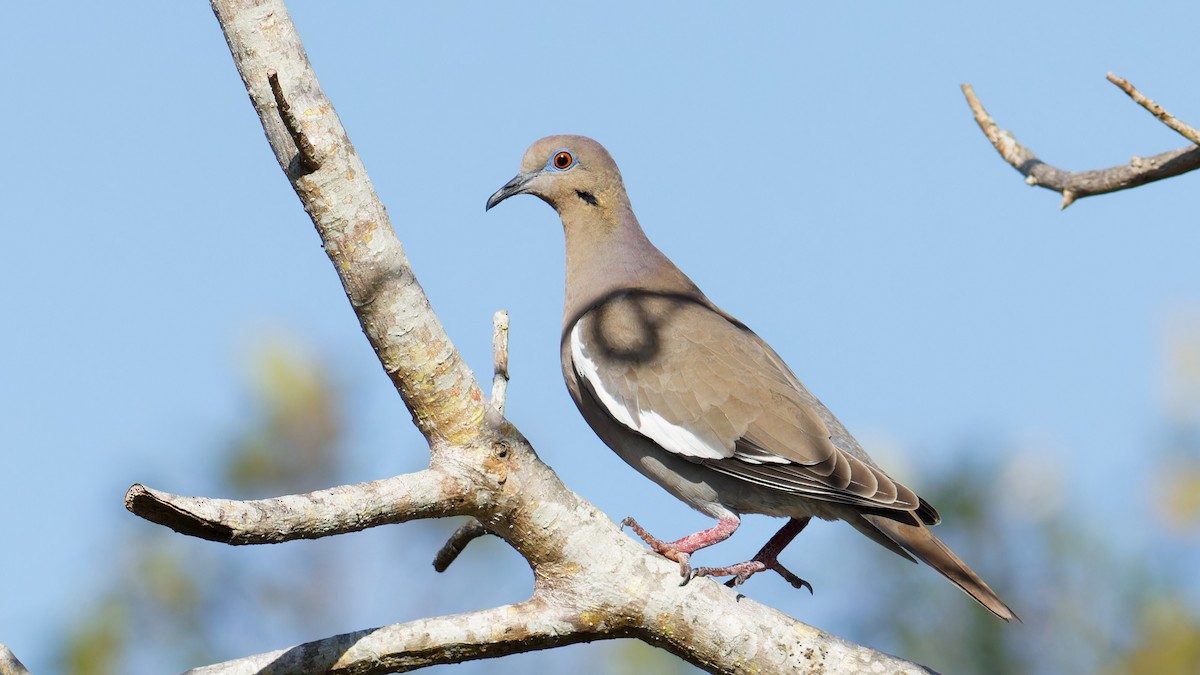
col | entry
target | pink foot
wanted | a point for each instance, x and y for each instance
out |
(765, 559)
(680, 550)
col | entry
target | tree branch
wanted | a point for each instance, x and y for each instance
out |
(474, 529)
(500, 357)
(438, 388)
(1076, 185)
(304, 147)
(710, 626)
(590, 580)
(1155, 109)
(337, 510)
(467, 533)
(9, 664)
(408, 646)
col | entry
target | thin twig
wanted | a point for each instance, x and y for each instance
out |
(1074, 185)
(500, 356)
(1155, 109)
(1006, 144)
(470, 531)
(304, 147)
(473, 529)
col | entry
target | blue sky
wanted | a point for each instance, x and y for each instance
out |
(813, 168)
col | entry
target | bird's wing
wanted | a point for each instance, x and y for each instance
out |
(681, 373)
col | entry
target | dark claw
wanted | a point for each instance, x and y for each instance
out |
(742, 572)
(685, 565)
(792, 579)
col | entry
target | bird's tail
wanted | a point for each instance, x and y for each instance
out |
(921, 542)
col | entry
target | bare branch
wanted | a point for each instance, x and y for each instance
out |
(348, 508)
(500, 357)
(438, 388)
(722, 631)
(1076, 185)
(705, 623)
(474, 529)
(1155, 109)
(308, 155)
(9, 664)
(470, 531)
(403, 647)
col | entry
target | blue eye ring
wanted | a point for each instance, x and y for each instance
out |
(561, 160)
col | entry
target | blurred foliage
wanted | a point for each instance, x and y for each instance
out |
(162, 607)
(1177, 497)
(1167, 641)
(95, 644)
(1076, 595)
(292, 443)
(1090, 602)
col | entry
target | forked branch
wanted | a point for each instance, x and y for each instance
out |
(1074, 185)
(473, 529)
(1155, 109)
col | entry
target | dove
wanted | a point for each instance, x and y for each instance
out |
(697, 402)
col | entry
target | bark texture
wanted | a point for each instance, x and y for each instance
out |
(9, 664)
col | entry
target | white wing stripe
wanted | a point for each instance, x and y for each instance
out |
(650, 424)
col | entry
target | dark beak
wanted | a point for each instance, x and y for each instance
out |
(513, 187)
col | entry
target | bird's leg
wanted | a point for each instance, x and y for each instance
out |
(680, 550)
(765, 559)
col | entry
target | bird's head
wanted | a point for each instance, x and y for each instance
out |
(570, 173)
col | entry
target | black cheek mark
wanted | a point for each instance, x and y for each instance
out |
(587, 197)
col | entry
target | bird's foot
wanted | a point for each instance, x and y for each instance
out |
(662, 548)
(765, 559)
(744, 570)
(680, 550)
(740, 572)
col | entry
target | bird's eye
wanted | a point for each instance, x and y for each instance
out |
(563, 160)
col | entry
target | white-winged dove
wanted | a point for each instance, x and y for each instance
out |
(694, 400)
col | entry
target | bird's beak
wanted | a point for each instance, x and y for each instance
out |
(513, 187)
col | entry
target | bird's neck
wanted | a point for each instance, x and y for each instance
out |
(607, 252)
